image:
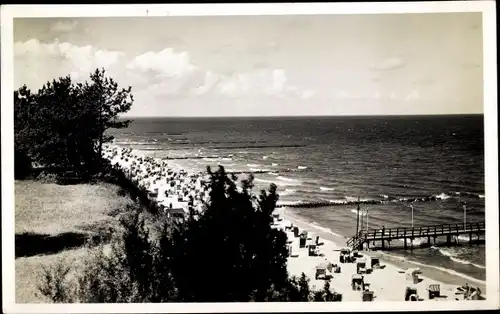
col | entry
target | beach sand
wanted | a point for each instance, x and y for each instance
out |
(388, 284)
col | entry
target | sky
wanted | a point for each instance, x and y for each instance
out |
(371, 64)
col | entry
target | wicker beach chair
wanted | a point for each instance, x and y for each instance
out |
(302, 241)
(361, 267)
(313, 250)
(434, 291)
(320, 272)
(367, 296)
(409, 293)
(357, 282)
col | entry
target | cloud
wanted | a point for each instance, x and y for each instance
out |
(36, 62)
(165, 63)
(388, 64)
(64, 26)
(151, 74)
(259, 82)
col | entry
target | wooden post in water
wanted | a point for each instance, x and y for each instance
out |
(357, 219)
(412, 237)
(382, 237)
(428, 237)
(404, 237)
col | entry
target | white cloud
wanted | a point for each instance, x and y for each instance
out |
(166, 63)
(254, 83)
(388, 64)
(152, 74)
(37, 62)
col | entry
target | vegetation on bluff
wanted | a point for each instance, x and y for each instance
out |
(228, 252)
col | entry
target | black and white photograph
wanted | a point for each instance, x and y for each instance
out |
(319, 157)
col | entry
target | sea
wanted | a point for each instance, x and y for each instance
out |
(385, 162)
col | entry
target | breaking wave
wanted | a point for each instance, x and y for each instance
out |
(322, 188)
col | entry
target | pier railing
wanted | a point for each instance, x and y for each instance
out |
(357, 241)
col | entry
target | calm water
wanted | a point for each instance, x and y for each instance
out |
(438, 160)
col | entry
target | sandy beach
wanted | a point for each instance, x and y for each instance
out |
(388, 284)
(176, 189)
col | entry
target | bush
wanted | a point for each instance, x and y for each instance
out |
(54, 283)
(47, 177)
(242, 257)
(22, 165)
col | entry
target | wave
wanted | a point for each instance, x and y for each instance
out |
(416, 241)
(263, 180)
(210, 158)
(361, 213)
(287, 179)
(273, 173)
(287, 192)
(448, 252)
(227, 159)
(322, 188)
(301, 167)
(265, 157)
(253, 165)
(258, 146)
(350, 200)
(446, 270)
(274, 164)
(326, 230)
(469, 194)
(461, 261)
(442, 196)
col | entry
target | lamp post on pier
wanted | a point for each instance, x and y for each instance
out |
(366, 212)
(411, 206)
(465, 214)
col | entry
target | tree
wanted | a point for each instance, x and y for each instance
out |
(234, 241)
(106, 101)
(64, 124)
(23, 112)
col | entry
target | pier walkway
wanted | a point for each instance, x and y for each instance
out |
(364, 238)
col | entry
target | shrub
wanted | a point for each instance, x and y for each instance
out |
(54, 283)
(22, 165)
(242, 257)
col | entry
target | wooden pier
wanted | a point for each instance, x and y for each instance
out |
(451, 231)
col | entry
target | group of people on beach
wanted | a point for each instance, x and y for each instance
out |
(172, 189)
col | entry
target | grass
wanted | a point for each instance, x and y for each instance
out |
(52, 222)
(47, 208)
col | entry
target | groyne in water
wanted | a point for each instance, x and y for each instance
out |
(387, 200)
